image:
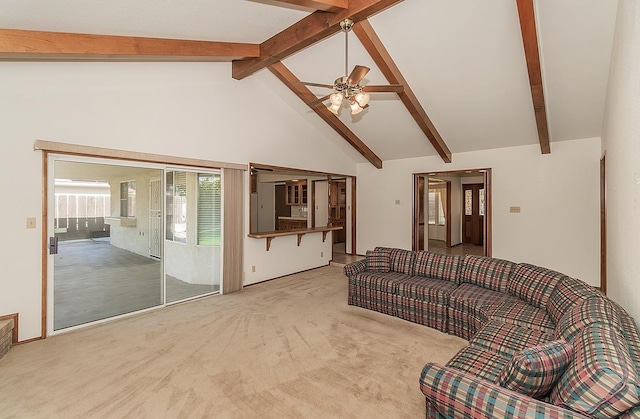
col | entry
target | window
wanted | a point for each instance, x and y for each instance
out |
(176, 196)
(436, 210)
(209, 209)
(128, 199)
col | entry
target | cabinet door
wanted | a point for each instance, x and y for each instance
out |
(290, 194)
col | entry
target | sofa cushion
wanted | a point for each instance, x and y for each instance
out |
(401, 260)
(469, 296)
(378, 261)
(594, 309)
(426, 289)
(507, 339)
(379, 281)
(566, 294)
(602, 380)
(489, 273)
(534, 371)
(519, 313)
(439, 266)
(630, 333)
(533, 284)
(480, 363)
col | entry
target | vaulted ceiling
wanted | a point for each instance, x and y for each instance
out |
(471, 82)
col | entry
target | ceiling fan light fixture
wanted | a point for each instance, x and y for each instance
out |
(334, 108)
(355, 108)
(362, 98)
(336, 98)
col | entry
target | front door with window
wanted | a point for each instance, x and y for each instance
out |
(474, 209)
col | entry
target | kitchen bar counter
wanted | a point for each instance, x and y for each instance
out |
(300, 232)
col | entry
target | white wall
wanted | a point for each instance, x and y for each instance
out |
(132, 238)
(322, 203)
(558, 227)
(456, 212)
(348, 243)
(180, 109)
(621, 142)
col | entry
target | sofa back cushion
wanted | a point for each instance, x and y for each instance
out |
(534, 371)
(486, 272)
(594, 309)
(378, 261)
(401, 260)
(533, 284)
(438, 266)
(602, 380)
(567, 293)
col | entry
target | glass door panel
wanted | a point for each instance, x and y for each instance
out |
(193, 239)
(99, 215)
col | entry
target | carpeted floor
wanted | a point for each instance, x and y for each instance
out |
(290, 347)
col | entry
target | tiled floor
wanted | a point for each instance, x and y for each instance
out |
(438, 246)
(340, 257)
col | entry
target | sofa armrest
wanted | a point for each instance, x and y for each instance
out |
(355, 268)
(456, 394)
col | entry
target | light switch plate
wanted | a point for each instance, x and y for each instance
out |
(514, 210)
(31, 222)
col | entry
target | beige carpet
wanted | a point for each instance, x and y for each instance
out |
(291, 347)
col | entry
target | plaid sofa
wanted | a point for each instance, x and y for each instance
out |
(541, 344)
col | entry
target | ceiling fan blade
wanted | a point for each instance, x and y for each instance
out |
(396, 88)
(357, 74)
(328, 86)
(319, 100)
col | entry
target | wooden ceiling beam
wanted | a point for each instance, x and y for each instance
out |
(332, 6)
(19, 44)
(313, 28)
(307, 96)
(376, 49)
(526, 14)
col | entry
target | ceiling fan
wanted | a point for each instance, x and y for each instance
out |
(348, 86)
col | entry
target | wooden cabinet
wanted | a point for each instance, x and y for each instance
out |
(297, 193)
(292, 224)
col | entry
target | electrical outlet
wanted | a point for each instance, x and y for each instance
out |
(397, 202)
(514, 210)
(31, 222)
(253, 268)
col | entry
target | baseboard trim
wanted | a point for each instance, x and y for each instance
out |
(22, 342)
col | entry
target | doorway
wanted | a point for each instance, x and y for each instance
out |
(443, 220)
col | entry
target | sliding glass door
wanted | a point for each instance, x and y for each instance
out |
(193, 234)
(113, 252)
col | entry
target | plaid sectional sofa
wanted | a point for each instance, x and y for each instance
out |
(541, 344)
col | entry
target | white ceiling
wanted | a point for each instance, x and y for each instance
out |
(463, 59)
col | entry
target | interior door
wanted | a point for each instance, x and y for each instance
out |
(474, 211)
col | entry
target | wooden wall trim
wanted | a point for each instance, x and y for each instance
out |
(488, 225)
(45, 234)
(353, 215)
(603, 226)
(448, 214)
(89, 151)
